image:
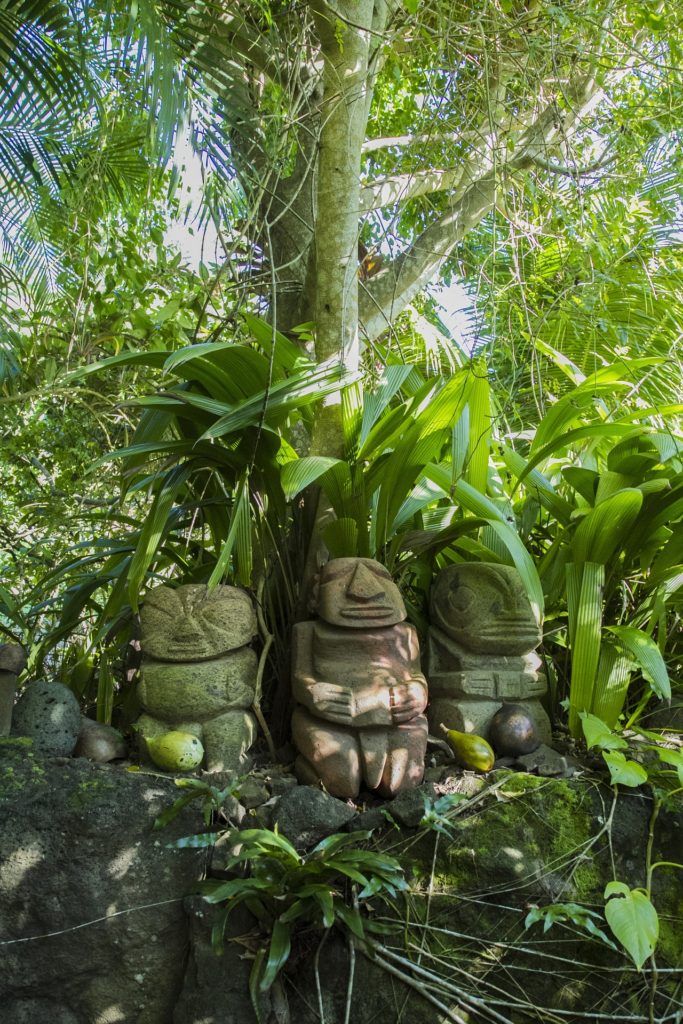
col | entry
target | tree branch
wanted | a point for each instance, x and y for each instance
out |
(387, 295)
(401, 187)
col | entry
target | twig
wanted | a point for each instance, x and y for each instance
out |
(267, 637)
(418, 987)
(316, 971)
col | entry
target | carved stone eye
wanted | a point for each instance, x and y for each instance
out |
(462, 598)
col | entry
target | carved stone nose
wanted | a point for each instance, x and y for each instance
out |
(188, 630)
(364, 585)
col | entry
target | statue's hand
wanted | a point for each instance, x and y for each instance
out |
(407, 701)
(333, 702)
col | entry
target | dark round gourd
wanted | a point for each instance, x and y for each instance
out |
(513, 731)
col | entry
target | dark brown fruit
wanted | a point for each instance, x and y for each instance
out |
(513, 731)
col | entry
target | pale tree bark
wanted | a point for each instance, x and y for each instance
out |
(345, 31)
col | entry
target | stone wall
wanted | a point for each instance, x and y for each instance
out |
(77, 845)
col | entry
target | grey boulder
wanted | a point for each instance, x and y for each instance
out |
(48, 713)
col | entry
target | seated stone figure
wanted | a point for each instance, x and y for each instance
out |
(356, 678)
(481, 649)
(198, 673)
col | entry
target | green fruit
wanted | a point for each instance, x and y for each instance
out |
(176, 751)
(471, 751)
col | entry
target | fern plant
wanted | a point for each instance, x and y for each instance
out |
(287, 891)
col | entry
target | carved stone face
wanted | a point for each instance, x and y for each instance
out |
(191, 624)
(358, 593)
(485, 608)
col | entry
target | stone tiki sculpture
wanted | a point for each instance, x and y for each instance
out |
(198, 673)
(481, 652)
(357, 682)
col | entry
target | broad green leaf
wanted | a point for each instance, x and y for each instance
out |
(479, 440)
(611, 683)
(569, 409)
(255, 976)
(606, 527)
(105, 690)
(633, 920)
(376, 402)
(153, 529)
(326, 904)
(332, 844)
(585, 585)
(341, 537)
(598, 733)
(155, 359)
(278, 400)
(484, 508)
(278, 953)
(239, 536)
(299, 474)
(537, 484)
(672, 757)
(647, 654)
(622, 771)
(418, 445)
(568, 440)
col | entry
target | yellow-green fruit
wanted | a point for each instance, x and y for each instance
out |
(176, 751)
(471, 751)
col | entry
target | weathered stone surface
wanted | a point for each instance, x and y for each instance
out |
(197, 675)
(409, 807)
(306, 815)
(192, 623)
(77, 847)
(216, 988)
(528, 844)
(253, 793)
(48, 713)
(12, 658)
(8, 688)
(357, 680)
(186, 690)
(481, 649)
(99, 742)
(547, 762)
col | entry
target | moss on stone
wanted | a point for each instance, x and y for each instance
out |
(90, 791)
(15, 753)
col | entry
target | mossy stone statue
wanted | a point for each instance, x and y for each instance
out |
(198, 672)
(481, 651)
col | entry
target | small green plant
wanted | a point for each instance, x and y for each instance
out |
(212, 803)
(665, 770)
(436, 813)
(286, 891)
(568, 913)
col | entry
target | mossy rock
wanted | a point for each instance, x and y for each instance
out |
(531, 842)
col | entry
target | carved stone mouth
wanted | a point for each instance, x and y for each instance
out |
(372, 611)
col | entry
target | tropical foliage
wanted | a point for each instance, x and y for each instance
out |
(167, 421)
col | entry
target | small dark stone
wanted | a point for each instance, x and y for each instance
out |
(262, 816)
(306, 815)
(408, 808)
(547, 762)
(513, 731)
(279, 784)
(253, 792)
(368, 821)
